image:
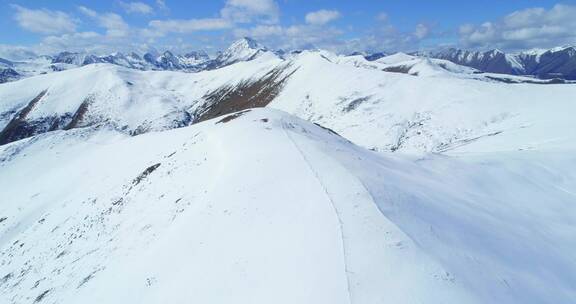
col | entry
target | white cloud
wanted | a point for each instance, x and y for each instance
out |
(322, 17)
(421, 31)
(246, 11)
(44, 21)
(238, 18)
(532, 27)
(382, 17)
(188, 26)
(233, 12)
(136, 7)
(260, 31)
(113, 23)
(88, 12)
(294, 37)
(161, 4)
(16, 52)
(90, 42)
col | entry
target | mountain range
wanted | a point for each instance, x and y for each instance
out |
(556, 63)
(195, 61)
(304, 177)
(549, 63)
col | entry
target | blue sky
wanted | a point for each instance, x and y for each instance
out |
(342, 26)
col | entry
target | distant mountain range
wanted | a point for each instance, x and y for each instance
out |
(285, 178)
(556, 63)
(546, 64)
(241, 50)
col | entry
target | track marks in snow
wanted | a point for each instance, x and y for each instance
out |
(286, 126)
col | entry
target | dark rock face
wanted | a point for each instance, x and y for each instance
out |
(375, 56)
(169, 62)
(555, 64)
(492, 61)
(8, 74)
(6, 62)
(197, 55)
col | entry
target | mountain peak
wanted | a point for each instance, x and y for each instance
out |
(197, 55)
(244, 49)
(245, 43)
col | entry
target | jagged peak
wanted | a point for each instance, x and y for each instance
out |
(167, 54)
(245, 43)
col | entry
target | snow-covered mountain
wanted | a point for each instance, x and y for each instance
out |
(347, 94)
(409, 64)
(403, 179)
(8, 74)
(166, 61)
(556, 64)
(548, 63)
(244, 49)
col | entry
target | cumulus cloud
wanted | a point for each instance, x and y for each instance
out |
(44, 21)
(90, 42)
(421, 31)
(16, 52)
(136, 7)
(301, 36)
(322, 17)
(113, 23)
(246, 11)
(383, 37)
(118, 35)
(382, 17)
(161, 4)
(188, 26)
(532, 27)
(234, 12)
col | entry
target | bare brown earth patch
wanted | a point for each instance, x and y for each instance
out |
(247, 94)
(18, 127)
(80, 113)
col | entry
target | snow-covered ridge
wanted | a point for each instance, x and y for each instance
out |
(204, 213)
(454, 106)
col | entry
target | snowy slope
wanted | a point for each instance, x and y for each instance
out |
(131, 100)
(205, 214)
(437, 111)
(398, 112)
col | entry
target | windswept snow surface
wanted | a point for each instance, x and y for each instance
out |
(125, 98)
(263, 207)
(398, 112)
